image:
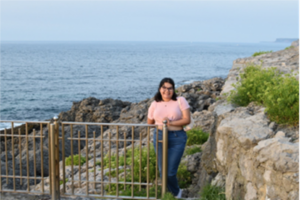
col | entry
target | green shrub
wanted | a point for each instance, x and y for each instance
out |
(252, 85)
(282, 101)
(289, 47)
(98, 163)
(260, 53)
(184, 176)
(152, 162)
(168, 196)
(76, 159)
(140, 193)
(62, 181)
(279, 94)
(196, 136)
(193, 150)
(210, 192)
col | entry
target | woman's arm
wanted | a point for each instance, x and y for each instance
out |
(150, 121)
(186, 119)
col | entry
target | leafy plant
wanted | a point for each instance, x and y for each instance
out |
(76, 160)
(184, 176)
(211, 192)
(289, 47)
(168, 196)
(282, 101)
(142, 192)
(98, 163)
(268, 87)
(253, 84)
(196, 136)
(193, 150)
(260, 53)
(62, 181)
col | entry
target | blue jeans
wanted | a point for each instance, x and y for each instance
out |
(176, 145)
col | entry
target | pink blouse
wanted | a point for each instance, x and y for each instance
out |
(171, 109)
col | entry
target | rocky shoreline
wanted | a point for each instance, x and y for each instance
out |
(246, 153)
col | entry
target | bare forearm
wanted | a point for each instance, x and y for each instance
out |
(181, 122)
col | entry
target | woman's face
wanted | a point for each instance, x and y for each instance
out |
(166, 91)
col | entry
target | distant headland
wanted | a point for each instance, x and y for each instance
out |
(281, 40)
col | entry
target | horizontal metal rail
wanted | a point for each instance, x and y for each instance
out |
(20, 121)
(108, 124)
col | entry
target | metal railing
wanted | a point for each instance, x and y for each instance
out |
(109, 140)
(12, 143)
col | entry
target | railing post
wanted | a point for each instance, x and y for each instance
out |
(165, 158)
(54, 148)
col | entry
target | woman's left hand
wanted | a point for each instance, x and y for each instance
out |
(168, 121)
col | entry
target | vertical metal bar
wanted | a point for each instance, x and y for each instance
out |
(94, 136)
(1, 165)
(13, 155)
(102, 175)
(79, 159)
(117, 160)
(109, 155)
(6, 160)
(42, 157)
(87, 159)
(140, 177)
(156, 172)
(34, 157)
(148, 164)
(54, 194)
(72, 162)
(20, 153)
(49, 157)
(125, 159)
(165, 158)
(27, 156)
(56, 156)
(63, 156)
(132, 161)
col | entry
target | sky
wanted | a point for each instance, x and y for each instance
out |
(144, 20)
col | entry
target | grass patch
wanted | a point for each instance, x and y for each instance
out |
(193, 150)
(196, 136)
(98, 163)
(183, 175)
(168, 196)
(290, 47)
(261, 52)
(211, 192)
(268, 87)
(76, 160)
(142, 192)
(62, 181)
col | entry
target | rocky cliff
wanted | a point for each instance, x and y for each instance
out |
(251, 156)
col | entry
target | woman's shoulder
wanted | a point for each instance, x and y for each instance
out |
(181, 98)
(153, 103)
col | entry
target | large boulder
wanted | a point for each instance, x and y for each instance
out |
(94, 110)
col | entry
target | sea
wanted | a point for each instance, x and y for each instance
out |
(41, 79)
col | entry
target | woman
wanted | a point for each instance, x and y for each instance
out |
(175, 110)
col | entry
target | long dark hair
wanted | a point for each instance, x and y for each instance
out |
(158, 96)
